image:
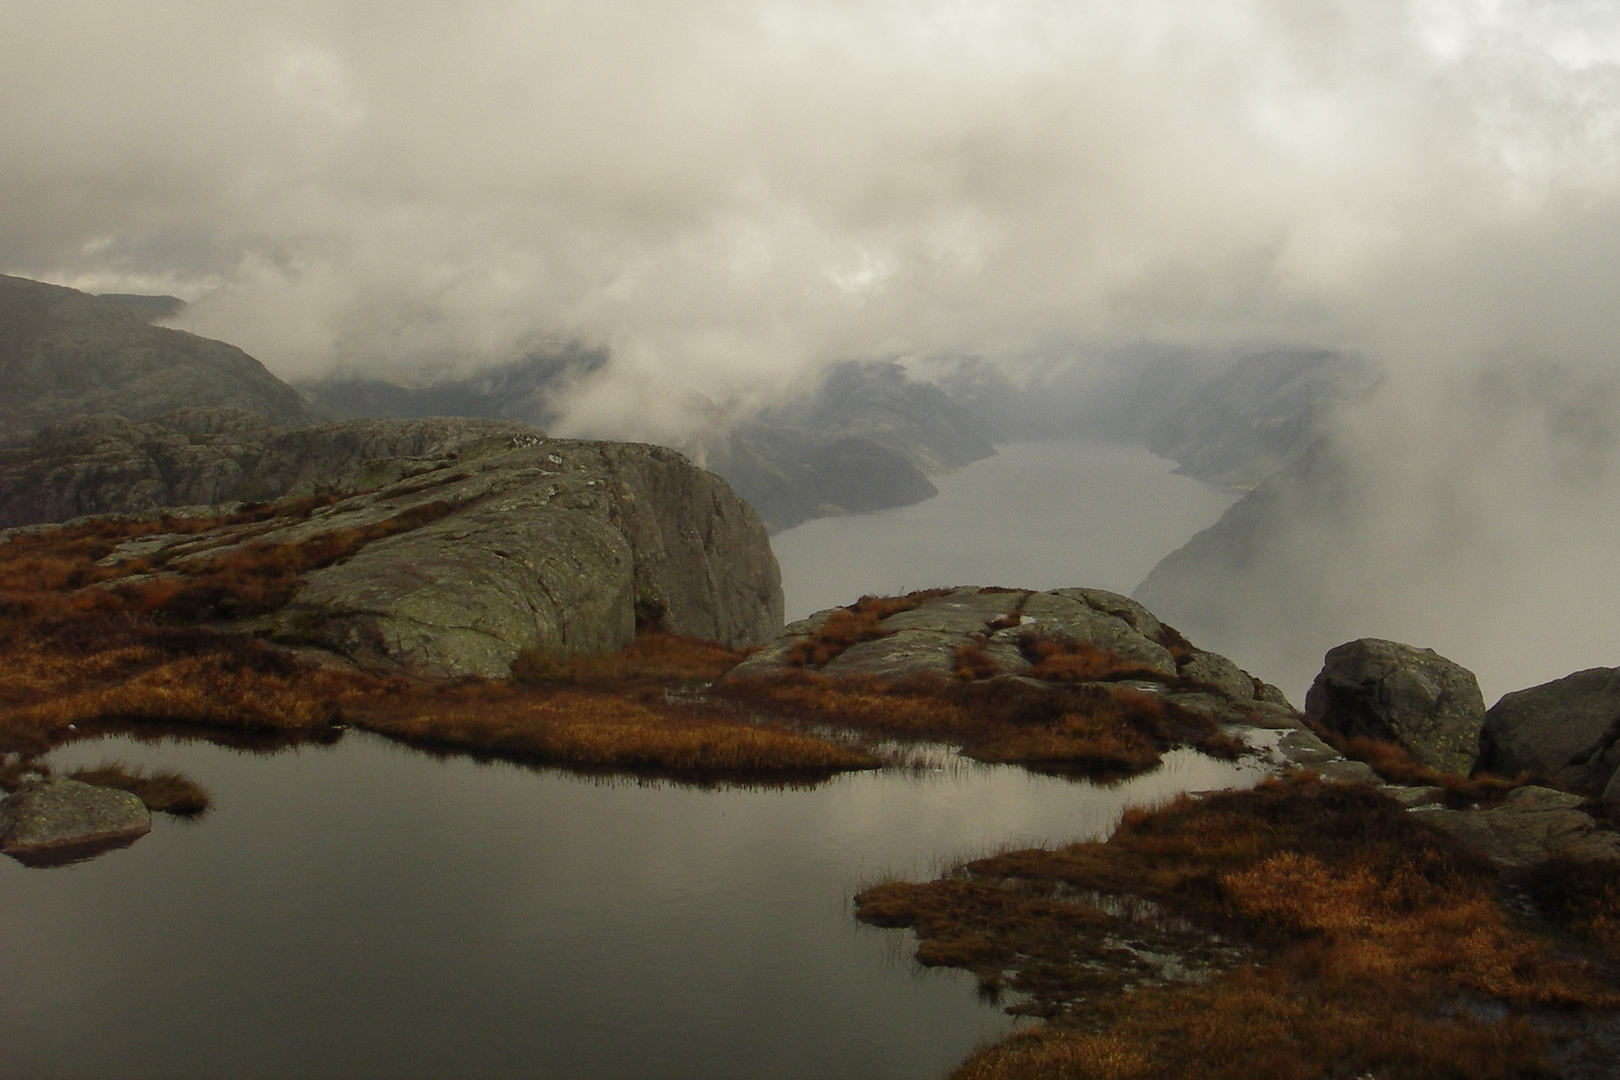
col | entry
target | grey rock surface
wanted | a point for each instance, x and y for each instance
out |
(483, 538)
(926, 641)
(1532, 824)
(1213, 669)
(1564, 730)
(559, 546)
(901, 654)
(1066, 615)
(56, 816)
(66, 354)
(1415, 697)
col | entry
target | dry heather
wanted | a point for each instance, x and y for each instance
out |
(163, 791)
(1091, 730)
(853, 625)
(88, 650)
(1395, 764)
(1338, 936)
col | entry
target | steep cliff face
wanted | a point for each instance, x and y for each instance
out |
(65, 354)
(462, 542)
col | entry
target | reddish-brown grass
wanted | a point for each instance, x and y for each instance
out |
(1580, 895)
(851, 625)
(164, 791)
(972, 662)
(1353, 932)
(82, 654)
(258, 578)
(590, 728)
(1395, 764)
(1091, 730)
(1079, 661)
(654, 656)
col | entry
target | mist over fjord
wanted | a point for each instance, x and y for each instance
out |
(726, 199)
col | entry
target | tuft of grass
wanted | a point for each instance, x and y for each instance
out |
(260, 578)
(1319, 931)
(972, 662)
(1396, 765)
(1079, 661)
(654, 656)
(83, 655)
(854, 624)
(1579, 895)
(586, 728)
(164, 792)
(1090, 730)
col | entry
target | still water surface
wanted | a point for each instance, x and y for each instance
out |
(366, 910)
(1038, 515)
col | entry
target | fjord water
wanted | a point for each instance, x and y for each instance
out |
(368, 910)
(1038, 515)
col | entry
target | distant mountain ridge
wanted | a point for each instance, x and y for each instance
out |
(65, 354)
(867, 438)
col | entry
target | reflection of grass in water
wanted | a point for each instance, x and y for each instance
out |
(89, 650)
(1317, 930)
(163, 791)
(1091, 730)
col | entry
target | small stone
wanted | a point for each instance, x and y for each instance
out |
(63, 817)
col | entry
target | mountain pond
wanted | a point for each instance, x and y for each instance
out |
(367, 910)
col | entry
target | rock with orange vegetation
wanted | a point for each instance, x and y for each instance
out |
(462, 543)
(1063, 635)
(1532, 824)
(62, 820)
(1379, 689)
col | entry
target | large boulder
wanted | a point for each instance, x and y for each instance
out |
(61, 820)
(1564, 730)
(463, 543)
(1415, 697)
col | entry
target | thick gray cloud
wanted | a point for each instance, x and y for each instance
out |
(727, 192)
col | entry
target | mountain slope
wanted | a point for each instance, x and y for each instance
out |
(65, 354)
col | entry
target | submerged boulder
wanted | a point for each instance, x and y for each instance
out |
(1565, 730)
(64, 820)
(1380, 689)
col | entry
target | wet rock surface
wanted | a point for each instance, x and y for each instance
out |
(1565, 730)
(60, 820)
(1380, 689)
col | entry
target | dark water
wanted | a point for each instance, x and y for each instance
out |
(365, 910)
(1038, 515)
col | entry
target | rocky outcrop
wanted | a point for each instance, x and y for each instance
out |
(65, 354)
(59, 820)
(464, 542)
(1565, 730)
(196, 457)
(865, 439)
(1532, 825)
(1379, 689)
(999, 633)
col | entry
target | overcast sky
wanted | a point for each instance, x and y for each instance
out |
(726, 191)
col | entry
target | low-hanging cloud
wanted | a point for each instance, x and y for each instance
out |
(727, 193)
